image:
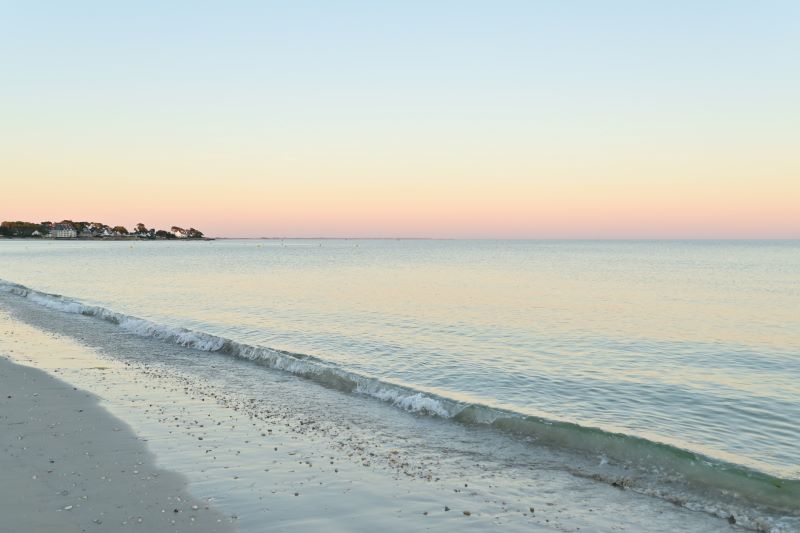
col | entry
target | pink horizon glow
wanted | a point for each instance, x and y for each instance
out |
(454, 221)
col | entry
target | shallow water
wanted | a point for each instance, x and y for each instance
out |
(695, 345)
(279, 453)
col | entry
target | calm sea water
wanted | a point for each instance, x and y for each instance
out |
(694, 345)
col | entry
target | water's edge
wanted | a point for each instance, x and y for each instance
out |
(719, 480)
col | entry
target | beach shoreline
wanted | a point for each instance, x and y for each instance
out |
(183, 431)
(268, 459)
(68, 465)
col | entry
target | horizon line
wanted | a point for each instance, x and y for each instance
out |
(386, 238)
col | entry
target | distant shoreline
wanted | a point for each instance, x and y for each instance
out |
(100, 239)
(123, 238)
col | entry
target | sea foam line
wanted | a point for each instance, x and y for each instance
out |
(299, 364)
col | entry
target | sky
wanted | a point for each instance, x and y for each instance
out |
(454, 119)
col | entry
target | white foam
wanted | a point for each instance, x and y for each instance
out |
(414, 402)
(59, 304)
(180, 336)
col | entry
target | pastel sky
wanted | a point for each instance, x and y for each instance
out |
(435, 118)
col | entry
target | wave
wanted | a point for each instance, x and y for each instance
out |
(671, 465)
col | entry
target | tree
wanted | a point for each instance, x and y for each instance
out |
(20, 229)
(141, 228)
(120, 229)
(80, 226)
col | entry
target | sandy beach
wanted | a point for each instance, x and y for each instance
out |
(70, 466)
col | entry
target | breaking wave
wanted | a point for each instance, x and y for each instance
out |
(649, 467)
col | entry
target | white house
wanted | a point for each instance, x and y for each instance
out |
(64, 231)
(180, 233)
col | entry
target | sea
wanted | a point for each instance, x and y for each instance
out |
(669, 368)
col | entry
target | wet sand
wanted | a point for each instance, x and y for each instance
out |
(68, 465)
(245, 474)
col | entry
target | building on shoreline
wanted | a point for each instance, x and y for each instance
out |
(63, 231)
(67, 229)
